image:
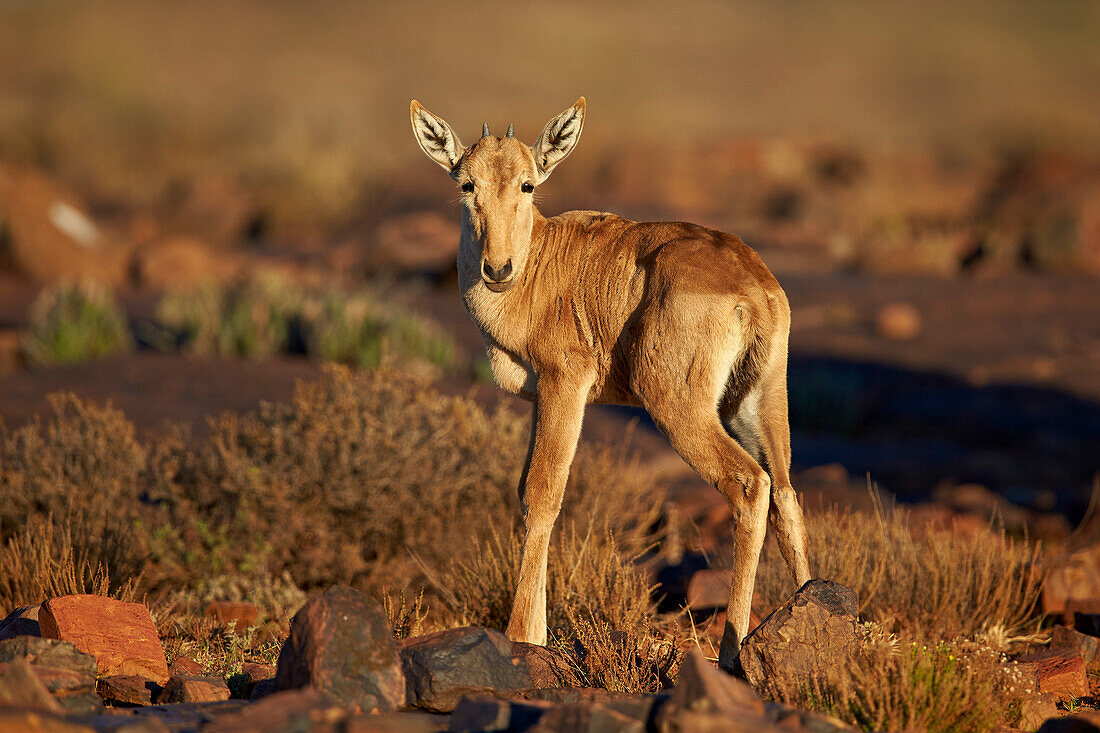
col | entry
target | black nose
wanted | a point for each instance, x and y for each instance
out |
(497, 276)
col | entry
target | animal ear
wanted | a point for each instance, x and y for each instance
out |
(435, 137)
(558, 138)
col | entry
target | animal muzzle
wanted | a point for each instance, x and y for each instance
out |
(497, 279)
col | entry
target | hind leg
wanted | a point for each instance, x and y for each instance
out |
(699, 437)
(761, 424)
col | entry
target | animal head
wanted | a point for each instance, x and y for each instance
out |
(497, 177)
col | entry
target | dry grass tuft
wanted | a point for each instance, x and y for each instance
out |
(942, 584)
(587, 576)
(406, 617)
(41, 561)
(912, 684)
(636, 659)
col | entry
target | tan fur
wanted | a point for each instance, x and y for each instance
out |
(682, 320)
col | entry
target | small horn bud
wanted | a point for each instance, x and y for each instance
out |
(511, 130)
(485, 129)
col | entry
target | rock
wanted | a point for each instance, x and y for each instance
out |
(20, 686)
(406, 722)
(1071, 578)
(48, 234)
(67, 673)
(289, 711)
(48, 653)
(1088, 647)
(1083, 721)
(185, 666)
(194, 689)
(417, 242)
(786, 717)
(24, 720)
(241, 613)
(587, 718)
(340, 644)
(180, 263)
(263, 688)
(128, 689)
(483, 713)
(443, 666)
(979, 500)
(898, 322)
(121, 636)
(709, 589)
(703, 692)
(1058, 672)
(22, 621)
(546, 667)
(253, 674)
(816, 628)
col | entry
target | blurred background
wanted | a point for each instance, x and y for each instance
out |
(202, 202)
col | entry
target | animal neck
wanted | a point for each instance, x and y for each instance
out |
(503, 318)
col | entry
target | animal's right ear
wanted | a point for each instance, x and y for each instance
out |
(436, 138)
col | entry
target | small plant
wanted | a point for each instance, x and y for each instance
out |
(70, 324)
(406, 619)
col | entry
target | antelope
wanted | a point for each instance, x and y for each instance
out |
(589, 307)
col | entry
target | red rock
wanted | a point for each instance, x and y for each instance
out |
(20, 686)
(24, 720)
(417, 242)
(1071, 578)
(127, 689)
(405, 722)
(185, 667)
(242, 613)
(1060, 673)
(1088, 647)
(194, 689)
(121, 636)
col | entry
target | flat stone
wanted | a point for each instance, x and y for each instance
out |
(121, 636)
(341, 644)
(128, 689)
(290, 711)
(702, 687)
(185, 666)
(1087, 646)
(546, 667)
(194, 689)
(22, 621)
(484, 713)
(442, 667)
(587, 717)
(20, 686)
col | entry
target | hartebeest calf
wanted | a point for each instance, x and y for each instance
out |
(590, 307)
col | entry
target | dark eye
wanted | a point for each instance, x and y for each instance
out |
(527, 188)
(468, 186)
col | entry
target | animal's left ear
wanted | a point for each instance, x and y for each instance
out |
(558, 138)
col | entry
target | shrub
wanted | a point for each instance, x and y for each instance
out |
(911, 684)
(71, 489)
(339, 485)
(252, 318)
(943, 584)
(74, 323)
(271, 314)
(635, 660)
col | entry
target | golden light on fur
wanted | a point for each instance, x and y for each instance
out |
(590, 307)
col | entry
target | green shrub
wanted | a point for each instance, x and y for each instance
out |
(70, 324)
